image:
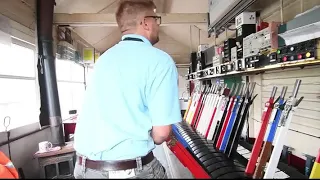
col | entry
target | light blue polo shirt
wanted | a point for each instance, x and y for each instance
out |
(133, 87)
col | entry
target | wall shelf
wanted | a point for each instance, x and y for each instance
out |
(300, 63)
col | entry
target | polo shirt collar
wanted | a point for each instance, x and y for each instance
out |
(145, 40)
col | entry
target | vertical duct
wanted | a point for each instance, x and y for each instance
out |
(50, 106)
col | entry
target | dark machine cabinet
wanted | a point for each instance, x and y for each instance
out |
(193, 62)
(209, 53)
(201, 60)
(228, 45)
(300, 51)
(244, 31)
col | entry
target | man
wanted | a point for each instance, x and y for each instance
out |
(130, 103)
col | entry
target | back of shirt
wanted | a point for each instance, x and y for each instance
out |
(134, 86)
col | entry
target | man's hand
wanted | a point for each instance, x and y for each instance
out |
(160, 133)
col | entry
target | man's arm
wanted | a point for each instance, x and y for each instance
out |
(163, 101)
(160, 134)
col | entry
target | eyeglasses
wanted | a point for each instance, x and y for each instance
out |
(157, 18)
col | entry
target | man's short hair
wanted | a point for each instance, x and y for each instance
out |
(128, 11)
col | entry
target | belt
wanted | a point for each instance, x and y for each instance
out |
(115, 165)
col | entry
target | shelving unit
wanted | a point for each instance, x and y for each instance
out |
(300, 63)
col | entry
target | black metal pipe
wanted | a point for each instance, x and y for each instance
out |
(46, 62)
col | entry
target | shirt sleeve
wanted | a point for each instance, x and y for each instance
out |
(163, 97)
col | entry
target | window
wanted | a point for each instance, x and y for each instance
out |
(71, 87)
(19, 90)
(89, 71)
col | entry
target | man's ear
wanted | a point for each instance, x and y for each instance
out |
(145, 25)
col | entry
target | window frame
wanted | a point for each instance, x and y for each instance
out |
(87, 77)
(32, 47)
(30, 128)
(71, 82)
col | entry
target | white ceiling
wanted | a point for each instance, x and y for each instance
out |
(109, 6)
(103, 38)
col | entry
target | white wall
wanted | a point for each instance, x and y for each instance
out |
(179, 52)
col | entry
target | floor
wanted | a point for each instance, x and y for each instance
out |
(174, 169)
